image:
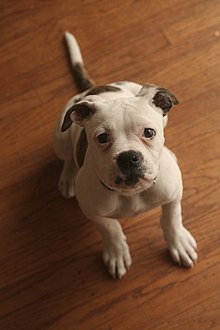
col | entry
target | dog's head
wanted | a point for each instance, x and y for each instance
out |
(125, 136)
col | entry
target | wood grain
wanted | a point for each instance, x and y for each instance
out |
(52, 275)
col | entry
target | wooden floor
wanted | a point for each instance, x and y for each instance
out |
(51, 274)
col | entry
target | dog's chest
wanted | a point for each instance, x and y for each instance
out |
(134, 205)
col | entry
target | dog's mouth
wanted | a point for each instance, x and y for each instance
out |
(132, 182)
(128, 181)
(129, 185)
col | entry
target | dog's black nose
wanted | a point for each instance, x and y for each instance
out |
(129, 160)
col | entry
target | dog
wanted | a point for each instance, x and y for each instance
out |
(111, 139)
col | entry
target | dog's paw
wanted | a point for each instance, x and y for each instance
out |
(117, 258)
(183, 247)
(66, 185)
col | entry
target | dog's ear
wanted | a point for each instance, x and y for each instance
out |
(78, 113)
(160, 97)
(164, 100)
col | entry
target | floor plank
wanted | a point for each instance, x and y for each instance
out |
(52, 275)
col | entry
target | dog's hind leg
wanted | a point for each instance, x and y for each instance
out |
(68, 174)
(67, 179)
(64, 150)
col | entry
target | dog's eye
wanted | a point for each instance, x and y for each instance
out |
(149, 133)
(103, 138)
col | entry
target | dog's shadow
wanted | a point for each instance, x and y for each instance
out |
(61, 247)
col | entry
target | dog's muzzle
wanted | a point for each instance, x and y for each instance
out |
(131, 165)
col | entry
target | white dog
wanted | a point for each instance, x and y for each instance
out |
(111, 139)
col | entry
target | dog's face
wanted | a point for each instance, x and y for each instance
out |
(125, 137)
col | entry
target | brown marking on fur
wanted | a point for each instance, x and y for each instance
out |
(81, 148)
(81, 110)
(67, 121)
(102, 89)
(82, 77)
(164, 100)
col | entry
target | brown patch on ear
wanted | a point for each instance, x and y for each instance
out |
(67, 121)
(77, 113)
(81, 148)
(82, 111)
(102, 89)
(164, 100)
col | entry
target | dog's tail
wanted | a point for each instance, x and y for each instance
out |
(81, 76)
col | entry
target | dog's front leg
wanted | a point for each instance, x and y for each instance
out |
(180, 242)
(116, 253)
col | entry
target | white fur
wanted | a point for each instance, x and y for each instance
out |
(73, 47)
(122, 113)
